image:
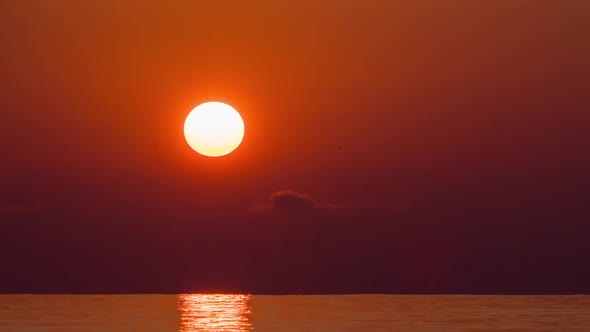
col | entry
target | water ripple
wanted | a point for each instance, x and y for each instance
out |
(214, 312)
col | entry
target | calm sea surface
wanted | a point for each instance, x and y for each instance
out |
(197, 312)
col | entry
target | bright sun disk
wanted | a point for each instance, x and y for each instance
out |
(214, 129)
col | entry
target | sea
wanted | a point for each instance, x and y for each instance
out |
(297, 313)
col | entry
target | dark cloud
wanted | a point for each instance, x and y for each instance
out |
(289, 200)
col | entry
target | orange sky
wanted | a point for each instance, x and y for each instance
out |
(444, 111)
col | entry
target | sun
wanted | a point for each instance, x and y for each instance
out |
(214, 129)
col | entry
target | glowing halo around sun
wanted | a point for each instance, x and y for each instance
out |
(214, 129)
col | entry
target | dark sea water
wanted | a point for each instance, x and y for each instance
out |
(198, 312)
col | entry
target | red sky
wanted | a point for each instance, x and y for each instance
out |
(463, 128)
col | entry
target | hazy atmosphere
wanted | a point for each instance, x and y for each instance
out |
(389, 147)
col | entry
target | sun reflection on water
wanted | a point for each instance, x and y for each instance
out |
(214, 312)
